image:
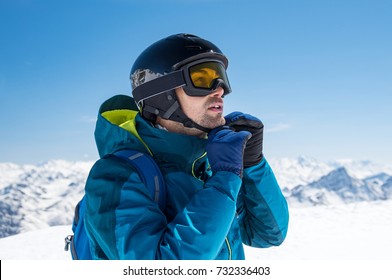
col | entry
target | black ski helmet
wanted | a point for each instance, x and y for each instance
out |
(154, 75)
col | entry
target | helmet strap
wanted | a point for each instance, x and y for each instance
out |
(176, 114)
(169, 109)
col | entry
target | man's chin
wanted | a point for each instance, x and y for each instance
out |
(212, 123)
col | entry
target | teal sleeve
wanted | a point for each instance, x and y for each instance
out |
(123, 222)
(262, 208)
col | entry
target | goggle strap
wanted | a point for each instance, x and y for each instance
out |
(159, 85)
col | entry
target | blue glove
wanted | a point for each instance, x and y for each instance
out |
(238, 121)
(225, 149)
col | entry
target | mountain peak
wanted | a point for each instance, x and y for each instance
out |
(337, 180)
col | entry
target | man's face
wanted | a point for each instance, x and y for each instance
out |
(206, 111)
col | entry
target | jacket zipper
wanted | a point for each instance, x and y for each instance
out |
(226, 239)
(228, 248)
(194, 162)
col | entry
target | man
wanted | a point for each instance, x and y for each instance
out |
(220, 190)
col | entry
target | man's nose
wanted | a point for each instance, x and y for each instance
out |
(218, 92)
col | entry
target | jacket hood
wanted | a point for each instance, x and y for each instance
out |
(110, 135)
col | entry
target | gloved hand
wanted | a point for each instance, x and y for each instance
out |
(225, 149)
(254, 148)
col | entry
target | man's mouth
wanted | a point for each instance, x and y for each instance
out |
(216, 107)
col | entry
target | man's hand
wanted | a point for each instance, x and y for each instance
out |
(254, 148)
(225, 149)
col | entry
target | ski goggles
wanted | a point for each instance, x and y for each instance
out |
(198, 78)
(204, 77)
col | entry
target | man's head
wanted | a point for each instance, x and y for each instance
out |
(181, 78)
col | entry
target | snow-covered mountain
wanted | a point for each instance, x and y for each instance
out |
(339, 187)
(292, 172)
(38, 196)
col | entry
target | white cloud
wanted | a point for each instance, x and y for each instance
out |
(277, 127)
(88, 119)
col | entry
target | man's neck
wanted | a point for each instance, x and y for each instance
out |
(177, 127)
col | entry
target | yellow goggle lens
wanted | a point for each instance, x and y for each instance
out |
(203, 75)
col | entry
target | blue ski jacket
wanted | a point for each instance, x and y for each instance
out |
(207, 216)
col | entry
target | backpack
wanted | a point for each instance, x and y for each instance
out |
(152, 179)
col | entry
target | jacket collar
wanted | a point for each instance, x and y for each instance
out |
(171, 147)
(166, 147)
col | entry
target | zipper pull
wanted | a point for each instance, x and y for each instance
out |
(67, 241)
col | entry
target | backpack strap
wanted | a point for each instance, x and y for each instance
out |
(152, 178)
(149, 173)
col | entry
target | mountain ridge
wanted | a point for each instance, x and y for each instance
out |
(44, 195)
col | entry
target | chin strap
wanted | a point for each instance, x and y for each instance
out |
(168, 107)
(175, 113)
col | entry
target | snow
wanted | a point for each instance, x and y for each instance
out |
(43, 244)
(357, 231)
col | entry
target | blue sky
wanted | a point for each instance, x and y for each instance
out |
(318, 73)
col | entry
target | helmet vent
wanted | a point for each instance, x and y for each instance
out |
(190, 48)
